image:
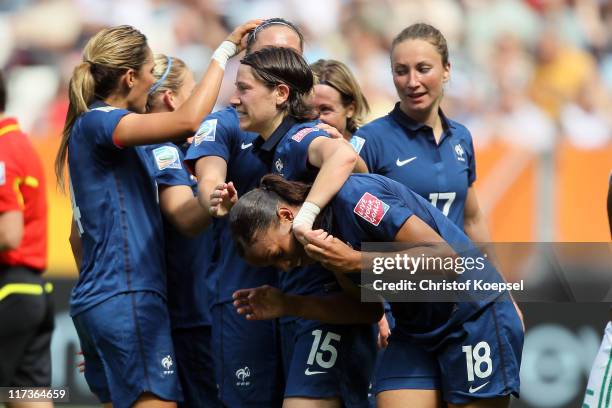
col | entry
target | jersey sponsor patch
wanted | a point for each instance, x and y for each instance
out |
(357, 143)
(104, 108)
(206, 132)
(2, 173)
(302, 133)
(371, 209)
(167, 157)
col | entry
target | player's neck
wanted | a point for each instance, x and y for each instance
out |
(347, 135)
(273, 125)
(2, 116)
(429, 117)
(116, 102)
(426, 117)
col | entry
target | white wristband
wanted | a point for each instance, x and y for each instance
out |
(307, 215)
(225, 51)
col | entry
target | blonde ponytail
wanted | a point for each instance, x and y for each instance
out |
(107, 56)
(81, 91)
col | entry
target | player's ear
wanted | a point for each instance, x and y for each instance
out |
(446, 73)
(284, 214)
(169, 100)
(350, 110)
(130, 78)
(282, 94)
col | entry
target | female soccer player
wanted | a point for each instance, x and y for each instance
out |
(338, 98)
(187, 258)
(220, 152)
(340, 103)
(416, 138)
(118, 303)
(272, 87)
(464, 353)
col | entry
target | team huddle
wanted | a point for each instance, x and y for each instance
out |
(220, 253)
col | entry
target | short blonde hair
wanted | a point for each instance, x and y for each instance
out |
(172, 80)
(338, 76)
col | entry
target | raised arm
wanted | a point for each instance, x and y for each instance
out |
(140, 129)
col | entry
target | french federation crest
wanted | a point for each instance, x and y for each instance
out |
(242, 376)
(167, 364)
(278, 164)
(459, 152)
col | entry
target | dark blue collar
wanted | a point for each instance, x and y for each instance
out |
(276, 136)
(407, 122)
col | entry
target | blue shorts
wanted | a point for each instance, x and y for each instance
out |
(195, 366)
(128, 349)
(326, 361)
(479, 360)
(247, 360)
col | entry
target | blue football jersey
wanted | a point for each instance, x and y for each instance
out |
(116, 212)
(373, 208)
(287, 148)
(220, 135)
(188, 259)
(290, 143)
(406, 151)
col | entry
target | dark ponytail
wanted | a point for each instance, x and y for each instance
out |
(256, 211)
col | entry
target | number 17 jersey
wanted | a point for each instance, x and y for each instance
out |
(404, 150)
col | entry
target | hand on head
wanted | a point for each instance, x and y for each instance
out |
(240, 33)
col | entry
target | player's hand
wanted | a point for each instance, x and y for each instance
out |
(262, 303)
(241, 32)
(300, 232)
(81, 364)
(331, 252)
(330, 130)
(384, 331)
(222, 199)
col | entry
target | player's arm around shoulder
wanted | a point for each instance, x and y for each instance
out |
(336, 161)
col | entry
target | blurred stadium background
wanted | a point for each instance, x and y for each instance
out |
(531, 79)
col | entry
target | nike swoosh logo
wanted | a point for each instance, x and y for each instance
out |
(308, 372)
(246, 146)
(473, 390)
(400, 163)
